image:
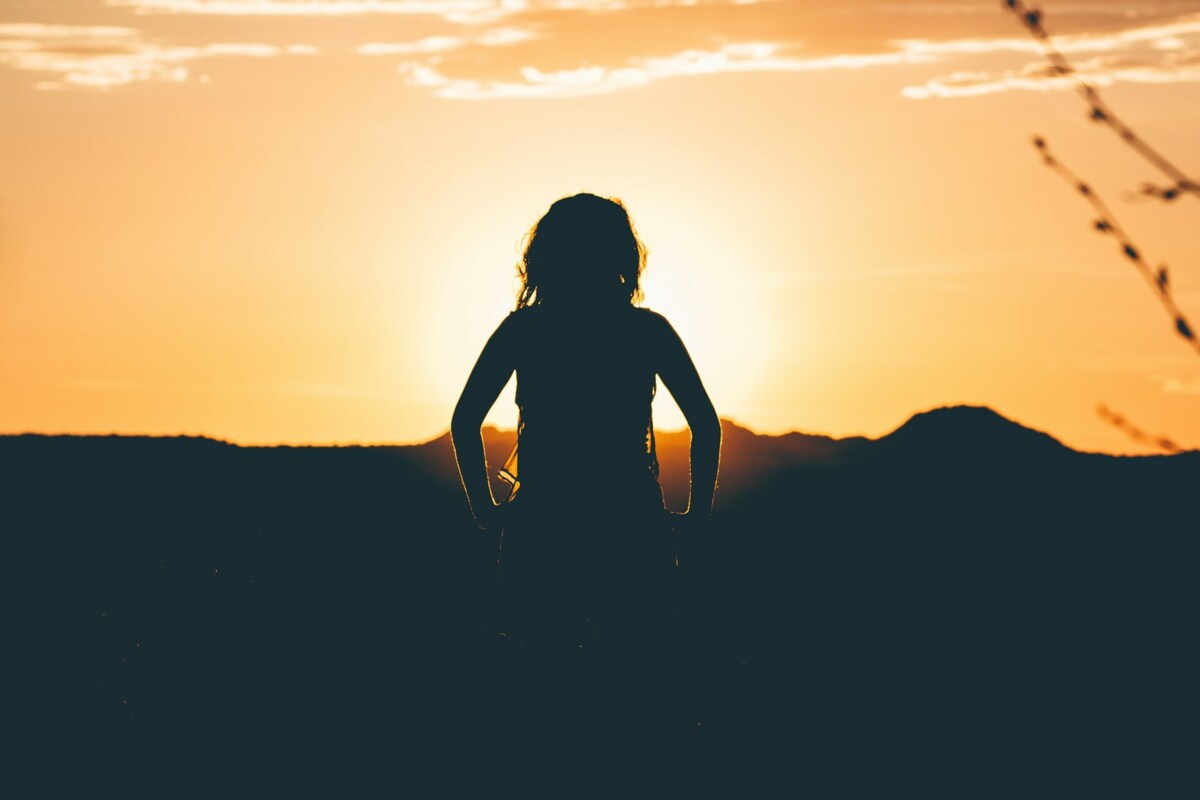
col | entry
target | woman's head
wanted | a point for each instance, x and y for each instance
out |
(583, 251)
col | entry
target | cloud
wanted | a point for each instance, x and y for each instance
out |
(430, 44)
(457, 10)
(1089, 8)
(1175, 67)
(1145, 50)
(101, 57)
(485, 49)
(1161, 53)
(1169, 384)
(38, 30)
(493, 37)
(462, 11)
(1152, 35)
(503, 37)
(591, 80)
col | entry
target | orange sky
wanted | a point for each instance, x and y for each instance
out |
(285, 221)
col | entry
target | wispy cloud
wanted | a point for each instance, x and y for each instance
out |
(494, 37)
(1174, 67)
(457, 10)
(973, 7)
(38, 30)
(101, 57)
(1161, 53)
(504, 37)
(463, 11)
(591, 80)
(572, 48)
(1188, 26)
(1170, 384)
(430, 44)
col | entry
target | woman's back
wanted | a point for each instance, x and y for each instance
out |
(588, 600)
(586, 537)
(585, 383)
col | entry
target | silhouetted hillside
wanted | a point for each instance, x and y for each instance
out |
(970, 432)
(963, 607)
(748, 459)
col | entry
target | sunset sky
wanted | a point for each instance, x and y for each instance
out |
(297, 220)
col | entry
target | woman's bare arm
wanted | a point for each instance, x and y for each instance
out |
(679, 375)
(487, 379)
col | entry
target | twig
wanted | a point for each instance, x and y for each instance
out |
(1107, 223)
(1102, 113)
(1137, 434)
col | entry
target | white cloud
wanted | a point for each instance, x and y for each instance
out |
(1165, 45)
(431, 44)
(1068, 45)
(493, 37)
(437, 44)
(973, 84)
(1170, 384)
(462, 11)
(965, 7)
(1168, 43)
(38, 30)
(503, 37)
(1161, 53)
(591, 80)
(101, 57)
(459, 9)
(1175, 67)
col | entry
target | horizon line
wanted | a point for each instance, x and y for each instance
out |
(725, 421)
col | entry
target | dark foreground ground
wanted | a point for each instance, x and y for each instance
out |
(961, 609)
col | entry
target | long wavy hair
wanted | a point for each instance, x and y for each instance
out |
(583, 251)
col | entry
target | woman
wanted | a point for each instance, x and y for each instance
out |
(586, 538)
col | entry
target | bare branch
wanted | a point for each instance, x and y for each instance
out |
(1137, 434)
(1106, 223)
(1101, 113)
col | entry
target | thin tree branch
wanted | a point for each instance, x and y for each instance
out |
(1106, 223)
(1137, 434)
(1102, 113)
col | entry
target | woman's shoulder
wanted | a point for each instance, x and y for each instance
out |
(638, 320)
(653, 322)
(512, 330)
(527, 324)
(520, 318)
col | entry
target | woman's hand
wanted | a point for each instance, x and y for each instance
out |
(686, 522)
(490, 517)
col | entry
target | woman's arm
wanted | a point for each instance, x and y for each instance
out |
(679, 375)
(484, 384)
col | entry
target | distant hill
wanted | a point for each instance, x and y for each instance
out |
(957, 433)
(966, 432)
(748, 459)
(964, 607)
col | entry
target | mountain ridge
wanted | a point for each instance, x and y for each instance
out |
(974, 437)
(937, 419)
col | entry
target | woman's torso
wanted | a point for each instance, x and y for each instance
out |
(585, 384)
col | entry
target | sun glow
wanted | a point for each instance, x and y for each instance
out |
(290, 221)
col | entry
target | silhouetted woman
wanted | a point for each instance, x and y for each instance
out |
(586, 538)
